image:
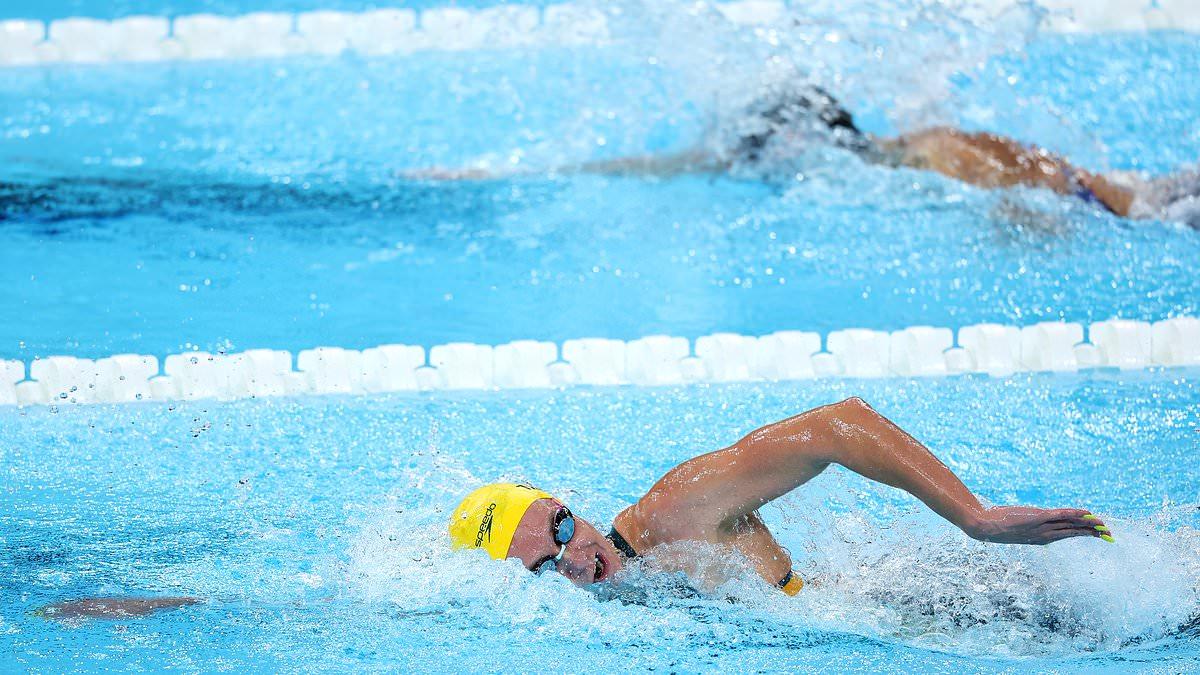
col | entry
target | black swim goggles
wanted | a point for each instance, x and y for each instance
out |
(562, 528)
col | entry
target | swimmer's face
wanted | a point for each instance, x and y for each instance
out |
(587, 558)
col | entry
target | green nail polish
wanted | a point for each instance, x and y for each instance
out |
(1108, 538)
(1090, 517)
(1101, 528)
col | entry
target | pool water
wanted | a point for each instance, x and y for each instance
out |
(315, 528)
(154, 208)
(165, 221)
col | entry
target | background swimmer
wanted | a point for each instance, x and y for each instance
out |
(785, 123)
(714, 499)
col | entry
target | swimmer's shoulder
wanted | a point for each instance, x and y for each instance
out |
(645, 526)
(627, 526)
(655, 520)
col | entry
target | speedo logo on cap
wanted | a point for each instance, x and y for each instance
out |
(485, 527)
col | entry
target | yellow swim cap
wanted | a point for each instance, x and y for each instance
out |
(488, 517)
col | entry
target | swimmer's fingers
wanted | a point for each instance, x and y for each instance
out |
(1051, 533)
(1097, 527)
(1059, 535)
(1073, 517)
(1077, 516)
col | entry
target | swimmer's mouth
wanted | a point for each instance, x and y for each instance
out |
(601, 566)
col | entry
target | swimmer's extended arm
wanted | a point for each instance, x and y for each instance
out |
(992, 161)
(722, 487)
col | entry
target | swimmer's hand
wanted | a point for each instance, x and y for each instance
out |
(1028, 525)
(437, 173)
(111, 608)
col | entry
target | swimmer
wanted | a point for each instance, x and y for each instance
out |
(714, 499)
(711, 499)
(785, 123)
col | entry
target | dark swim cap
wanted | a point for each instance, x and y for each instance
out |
(808, 106)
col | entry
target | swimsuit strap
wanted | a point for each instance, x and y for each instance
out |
(1088, 195)
(621, 545)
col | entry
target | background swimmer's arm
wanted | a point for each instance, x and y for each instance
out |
(112, 608)
(696, 160)
(722, 487)
(992, 161)
(464, 173)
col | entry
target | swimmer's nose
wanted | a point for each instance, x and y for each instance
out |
(575, 565)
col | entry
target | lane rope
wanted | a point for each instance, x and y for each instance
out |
(657, 360)
(388, 31)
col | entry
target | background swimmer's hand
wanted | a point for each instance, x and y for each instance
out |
(1028, 525)
(111, 608)
(437, 173)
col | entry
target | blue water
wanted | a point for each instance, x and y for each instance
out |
(159, 207)
(159, 221)
(315, 529)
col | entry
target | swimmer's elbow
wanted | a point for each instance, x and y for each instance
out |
(848, 413)
(819, 434)
(854, 404)
(843, 424)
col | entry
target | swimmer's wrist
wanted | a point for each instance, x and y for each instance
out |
(977, 526)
